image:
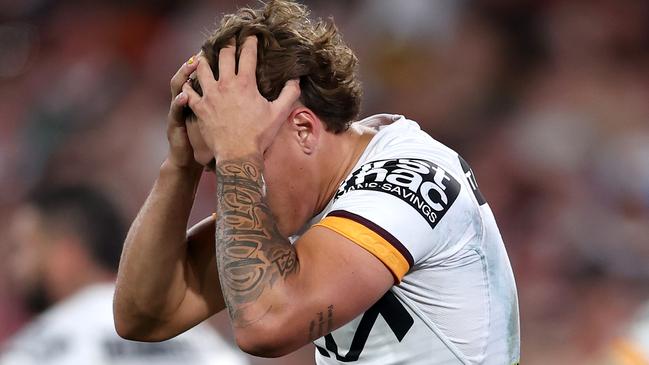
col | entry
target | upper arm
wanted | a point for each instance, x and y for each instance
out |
(337, 281)
(338, 273)
(201, 274)
(203, 297)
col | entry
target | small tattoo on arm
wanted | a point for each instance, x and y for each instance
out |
(320, 323)
(330, 318)
(324, 326)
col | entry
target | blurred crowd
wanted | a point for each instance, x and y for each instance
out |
(547, 100)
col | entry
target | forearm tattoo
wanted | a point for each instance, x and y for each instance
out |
(251, 253)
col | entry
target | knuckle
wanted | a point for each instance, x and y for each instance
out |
(174, 80)
(244, 81)
(224, 85)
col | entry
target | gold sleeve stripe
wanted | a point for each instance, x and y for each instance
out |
(628, 354)
(371, 241)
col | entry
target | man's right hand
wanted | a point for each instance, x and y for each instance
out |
(181, 154)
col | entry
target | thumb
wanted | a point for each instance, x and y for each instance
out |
(289, 95)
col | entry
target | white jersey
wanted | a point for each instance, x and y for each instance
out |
(80, 331)
(414, 204)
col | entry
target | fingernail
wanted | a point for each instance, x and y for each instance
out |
(190, 60)
(180, 95)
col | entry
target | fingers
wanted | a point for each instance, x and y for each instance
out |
(287, 97)
(227, 61)
(204, 74)
(182, 75)
(248, 57)
(192, 96)
(177, 106)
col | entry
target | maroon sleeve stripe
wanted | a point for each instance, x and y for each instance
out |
(378, 230)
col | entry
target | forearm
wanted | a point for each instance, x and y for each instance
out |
(151, 280)
(254, 260)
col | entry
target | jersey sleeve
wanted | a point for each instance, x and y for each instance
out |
(403, 211)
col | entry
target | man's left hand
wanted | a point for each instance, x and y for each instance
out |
(235, 120)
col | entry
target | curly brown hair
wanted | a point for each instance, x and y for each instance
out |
(292, 46)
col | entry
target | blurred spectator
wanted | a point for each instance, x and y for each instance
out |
(66, 251)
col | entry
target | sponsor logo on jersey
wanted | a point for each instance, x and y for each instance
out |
(422, 184)
(473, 183)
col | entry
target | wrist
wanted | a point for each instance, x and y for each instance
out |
(239, 153)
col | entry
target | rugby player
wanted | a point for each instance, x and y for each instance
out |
(65, 250)
(369, 238)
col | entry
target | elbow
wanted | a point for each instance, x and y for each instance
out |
(123, 326)
(139, 333)
(266, 341)
(124, 330)
(123, 319)
(138, 328)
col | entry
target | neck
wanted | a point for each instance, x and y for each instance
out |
(341, 153)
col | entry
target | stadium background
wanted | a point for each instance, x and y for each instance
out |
(548, 100)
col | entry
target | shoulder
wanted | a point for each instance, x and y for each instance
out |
(410, 190)
(426, 186)
(406, 162)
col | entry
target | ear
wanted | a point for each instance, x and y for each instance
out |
(307, 129)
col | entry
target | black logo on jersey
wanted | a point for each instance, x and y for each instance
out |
(424, 185)
(393, 312)
(470, 177)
